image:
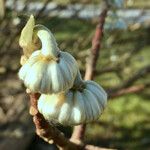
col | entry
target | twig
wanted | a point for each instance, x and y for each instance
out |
(79, 130)
(127, 86)
(91, 147)
(132, 89)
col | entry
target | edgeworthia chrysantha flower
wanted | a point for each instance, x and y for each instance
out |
(65, 97)
(48, 70)
(82, 104)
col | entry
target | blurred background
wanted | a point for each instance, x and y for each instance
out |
(123, 68)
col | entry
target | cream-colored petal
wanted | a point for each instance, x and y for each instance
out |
(25, 68)
(41, 103)
(49, 82)
(71, 62)
(34, 76)
(49, 45)
(68, 81)
(79, 108)
(65, 111)
(93, 105)
(56, 78)
(98, 92)
(70, 69)
(76, 115)
(88, 109)
(44, 85)
(49, 108)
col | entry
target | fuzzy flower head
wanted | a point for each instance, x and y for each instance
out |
(83, 103)
(48, 69)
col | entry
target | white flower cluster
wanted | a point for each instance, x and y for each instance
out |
(65, 97)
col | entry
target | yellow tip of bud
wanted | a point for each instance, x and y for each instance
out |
(27, 32)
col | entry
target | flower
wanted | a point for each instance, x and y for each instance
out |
(48, 70)
(82, 104)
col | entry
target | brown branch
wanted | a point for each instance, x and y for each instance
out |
(79, 130)
(96, 44)
(91, 147)
(132, 89)
(127, 86)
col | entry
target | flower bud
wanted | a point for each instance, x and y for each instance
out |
(48, 70)
(77, 106)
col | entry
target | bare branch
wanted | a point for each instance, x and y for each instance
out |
(91, 147)
(132, 89)
(140, 73)
(96, 44)
(125, 88)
